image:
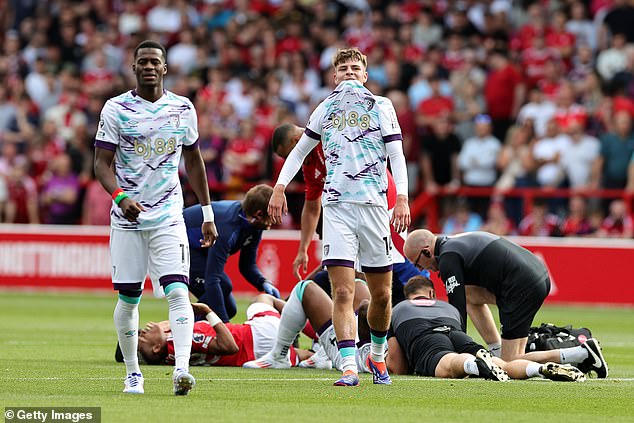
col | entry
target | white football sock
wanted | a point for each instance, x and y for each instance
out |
(470, 367)
(181, 317)
(532, 369)
(573, 354)
(126, 323)
(292, 321)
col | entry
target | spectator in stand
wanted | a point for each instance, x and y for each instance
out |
(618, 20)
(243, 159)
(559, 38)
(547, 153)
(420, 88)
(439, 161)
(595, 220)
(539, 222)
(22, 201)
(579, 154)
(497, 221)
(504, 92)
(469, 103)
(462, 219)
(581, 27)
(539, 110)
(618, 223)
(577, 222)
(24, 126)
(567, 107)
(516, 165)
(426, 31)
(68, 114)
(96, 204)
(534, 59)
(610, 168)
(477, 161)
(435, 106)
(60, 193)
(613, 60)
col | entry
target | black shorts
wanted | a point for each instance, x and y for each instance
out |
(519, 305)
(429, 348)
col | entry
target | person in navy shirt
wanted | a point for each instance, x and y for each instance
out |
(240, 225)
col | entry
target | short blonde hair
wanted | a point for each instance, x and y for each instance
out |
(352, 54)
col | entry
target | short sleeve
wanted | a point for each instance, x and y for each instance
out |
(314, 127)
(390, 129)
(108, 129)
(192, 127)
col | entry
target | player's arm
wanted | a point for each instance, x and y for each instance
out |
(452, 274)
(105, 147)
(195, 166)
(401, 218)
(396, 360)
(310, 219)
(249, 268)
(223, 343)
(393, 138)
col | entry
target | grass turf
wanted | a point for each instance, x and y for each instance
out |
(57, 349)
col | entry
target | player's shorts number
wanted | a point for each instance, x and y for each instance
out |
(352, 119)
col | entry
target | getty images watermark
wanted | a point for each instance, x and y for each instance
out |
(52, 414)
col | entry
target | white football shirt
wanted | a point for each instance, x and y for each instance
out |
(148, 139)
(354, 125)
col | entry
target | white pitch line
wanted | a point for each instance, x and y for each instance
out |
(296, 379)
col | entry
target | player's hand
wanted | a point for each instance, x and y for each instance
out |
(401, 218)
(201, 309)
(270, 289)
(300, 262)
(131, 209)
(210, 234)
(277, 205)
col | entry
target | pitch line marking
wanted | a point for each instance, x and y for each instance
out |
(296, 379)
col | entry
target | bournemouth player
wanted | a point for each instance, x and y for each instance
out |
(284, 139)
(358, 131)
(141, 136)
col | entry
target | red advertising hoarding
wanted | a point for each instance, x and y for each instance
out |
(40, 256)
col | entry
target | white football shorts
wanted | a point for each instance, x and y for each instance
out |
(357, 232)
(263, 328)
(162, 251)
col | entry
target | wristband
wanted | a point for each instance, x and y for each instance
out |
(213, 318)
(118, 195)
(208, 213)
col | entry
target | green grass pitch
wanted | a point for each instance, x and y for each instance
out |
(56, 349)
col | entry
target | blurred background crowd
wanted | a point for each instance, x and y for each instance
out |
(501, 94)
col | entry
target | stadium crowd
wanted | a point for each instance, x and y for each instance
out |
(495, 93)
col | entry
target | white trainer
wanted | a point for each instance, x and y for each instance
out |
(133, 384)
(183, 382)
(268, 361)
(319, 360)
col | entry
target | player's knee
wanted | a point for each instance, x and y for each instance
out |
(381, 298)
(343, 294)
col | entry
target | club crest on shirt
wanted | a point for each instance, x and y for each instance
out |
(175, 120)
(368, 103)
(326, 249)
